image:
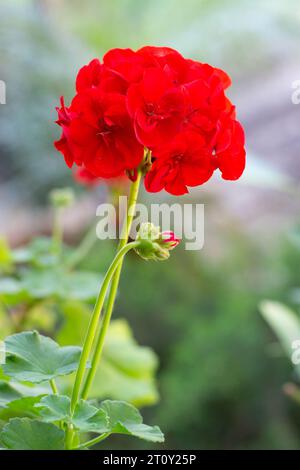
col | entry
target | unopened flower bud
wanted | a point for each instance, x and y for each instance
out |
(62, 197)
(154, 244)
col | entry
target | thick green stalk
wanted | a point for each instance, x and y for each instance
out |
(92, 328)
(114, 286)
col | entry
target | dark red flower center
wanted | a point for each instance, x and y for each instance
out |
(177, 158)
(105, 130)
(155, 112)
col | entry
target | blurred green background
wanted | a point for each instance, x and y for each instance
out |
(220, 376)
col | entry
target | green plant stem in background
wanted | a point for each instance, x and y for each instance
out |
(83, 249)
(57, 234)
(134, 190)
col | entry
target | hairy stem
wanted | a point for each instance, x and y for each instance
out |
(93, 441)
(92, 328)
(53, 386)
(114, 286)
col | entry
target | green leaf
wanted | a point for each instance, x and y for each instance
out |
(27, 434)
(12, 291)
(56, 282)
(21, 407)
(37, 252)
(76, 317)
(86, 418)
(126, 419)
(54, 408)
(82, 285)
(40, 284)
(34, 358)
(6, 260)
(112, 417)
(284, 322)
(7, 393)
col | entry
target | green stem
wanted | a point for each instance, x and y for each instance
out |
(53, 386)
(57, 234)
(93, 441)
(92, 328)
(69, 437)
(83, 249)
(114, 286)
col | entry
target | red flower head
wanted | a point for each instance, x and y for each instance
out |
(153, 98)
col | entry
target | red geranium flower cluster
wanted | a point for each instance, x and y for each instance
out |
(157, 99)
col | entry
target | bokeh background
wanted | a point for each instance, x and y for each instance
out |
(221, 374)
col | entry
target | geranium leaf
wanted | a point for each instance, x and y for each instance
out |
(82, 285)
(31, 357)
(86, 418)
(7, 393)
(124, 418)
(28, 434)
(54, 408)
(56, 282)
(111, 417)
(44, 283)
(21, 407)
(12, 291)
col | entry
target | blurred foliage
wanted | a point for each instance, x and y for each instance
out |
(39, 291)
